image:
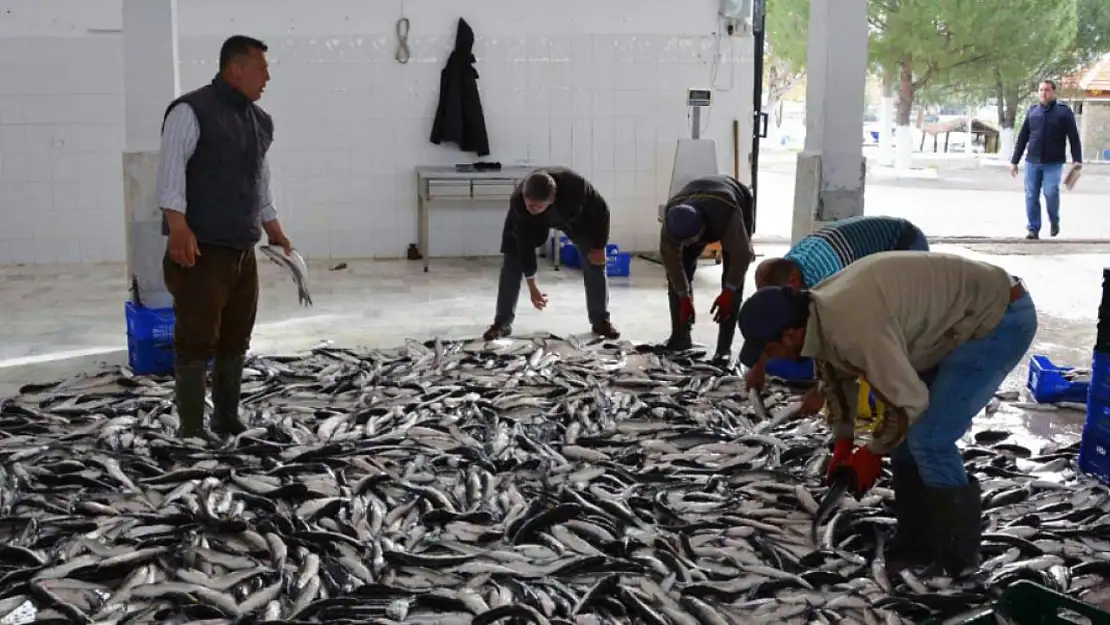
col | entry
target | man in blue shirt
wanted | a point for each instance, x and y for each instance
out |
(825, 252)
(1048, 126)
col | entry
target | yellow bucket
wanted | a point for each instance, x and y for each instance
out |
(870, 408)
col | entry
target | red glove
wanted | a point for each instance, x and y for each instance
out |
(866, 466)
(685, 311)
(722, 306)
(841, 452)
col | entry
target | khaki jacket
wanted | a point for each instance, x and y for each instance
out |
(888, 317)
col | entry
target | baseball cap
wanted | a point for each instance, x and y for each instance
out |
(683, 221)
(763, 318)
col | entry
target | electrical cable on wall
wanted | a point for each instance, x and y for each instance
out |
(716, 66)
(402, 29)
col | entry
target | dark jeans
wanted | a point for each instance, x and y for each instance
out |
(727, 330)
(508, 288)
(913, 240)
(214, 303)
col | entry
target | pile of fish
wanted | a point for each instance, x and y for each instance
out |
(540, 481)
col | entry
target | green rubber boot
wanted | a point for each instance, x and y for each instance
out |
(227, 384)
(189, 388)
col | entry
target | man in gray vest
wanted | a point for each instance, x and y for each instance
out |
(214, 190)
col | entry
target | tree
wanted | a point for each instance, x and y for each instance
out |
(1048, 39)
(786, 44)
(920, 41)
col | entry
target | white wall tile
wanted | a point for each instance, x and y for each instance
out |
(603, 93)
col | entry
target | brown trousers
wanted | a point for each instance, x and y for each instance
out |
(214, 303)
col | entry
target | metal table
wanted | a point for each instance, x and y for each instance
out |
(446, 184)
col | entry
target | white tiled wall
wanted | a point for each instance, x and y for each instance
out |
(597, 85)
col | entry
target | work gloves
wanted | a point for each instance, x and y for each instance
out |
(685, 311)
(861, 466)
(722, 306)
(721, 310)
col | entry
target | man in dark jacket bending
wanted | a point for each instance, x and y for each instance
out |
(559, 198)
(709, 209)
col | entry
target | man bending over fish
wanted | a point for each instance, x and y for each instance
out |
(934, 335)
(214, 190)
(710, 209)
(555, 197)
(826, 251)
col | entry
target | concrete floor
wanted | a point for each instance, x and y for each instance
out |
(61, 320)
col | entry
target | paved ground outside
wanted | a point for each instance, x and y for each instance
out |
(971, 197)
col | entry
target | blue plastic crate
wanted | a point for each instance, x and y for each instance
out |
(568, 254)
(1094, 453)
(1047, 383)
(618, 264)
(149, 339)
(1100, 377)
(792, 370)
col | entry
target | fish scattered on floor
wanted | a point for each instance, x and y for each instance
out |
(543, 481)
(295, 265)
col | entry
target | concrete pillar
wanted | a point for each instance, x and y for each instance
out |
(831, 169)
(150, 84)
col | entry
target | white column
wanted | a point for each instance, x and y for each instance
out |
(150, 84)
(831, 169)
(886, 122)
(968, 149)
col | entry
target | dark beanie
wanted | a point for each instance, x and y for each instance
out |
(683, 221)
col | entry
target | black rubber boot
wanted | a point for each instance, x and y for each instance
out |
(910, 545)
(227, 383)
(727, 330)
(957, 526)
(680, 337)
(189, 387)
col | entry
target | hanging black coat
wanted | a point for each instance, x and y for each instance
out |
(459, 117)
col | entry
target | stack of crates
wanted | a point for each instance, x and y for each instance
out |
(1094, 452)
(149, 339)
(618, 265)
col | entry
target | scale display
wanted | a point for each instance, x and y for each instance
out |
(699, 97)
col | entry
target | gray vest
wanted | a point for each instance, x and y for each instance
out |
(224, 176)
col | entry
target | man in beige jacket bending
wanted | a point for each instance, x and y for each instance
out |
(934, 335)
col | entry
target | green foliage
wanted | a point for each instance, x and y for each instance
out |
(787, 32)
(933, 37)
(1046, 39)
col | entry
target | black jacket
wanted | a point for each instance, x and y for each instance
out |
(459, 117)
(1046, 130)
(725, 205)
(579, 211)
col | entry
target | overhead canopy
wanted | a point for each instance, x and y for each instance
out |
(960, 125)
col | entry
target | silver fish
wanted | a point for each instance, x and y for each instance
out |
(295, 265)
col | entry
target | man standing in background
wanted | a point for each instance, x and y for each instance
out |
(1047, 128)
(554, 197)
(214, 190)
